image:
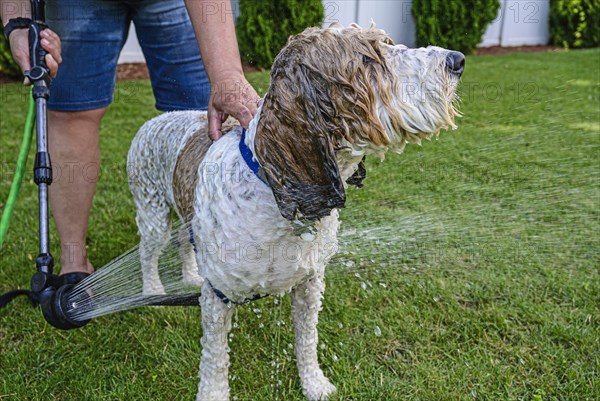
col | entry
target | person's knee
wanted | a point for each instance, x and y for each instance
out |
(66, 119)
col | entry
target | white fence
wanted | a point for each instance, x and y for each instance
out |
(519, 22)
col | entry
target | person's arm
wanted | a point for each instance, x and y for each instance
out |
(19, 38)
(231, 94)
(10, 9)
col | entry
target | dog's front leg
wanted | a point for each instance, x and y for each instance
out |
(214, 363)
(306, 305)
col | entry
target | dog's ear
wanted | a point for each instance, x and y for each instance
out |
(322, 97)
(300, 166)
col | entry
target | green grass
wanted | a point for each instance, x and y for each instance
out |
(476, 256)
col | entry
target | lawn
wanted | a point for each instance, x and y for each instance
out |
(469, 267)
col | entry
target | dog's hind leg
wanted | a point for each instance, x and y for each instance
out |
(214, 363)
(306, 304)
(154, 224)
(189, 268)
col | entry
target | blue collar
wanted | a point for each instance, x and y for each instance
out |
(250, 160)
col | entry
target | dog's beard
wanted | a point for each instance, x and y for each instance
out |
(420, 110)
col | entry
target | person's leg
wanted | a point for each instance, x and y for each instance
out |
(169, 44)
(74, 148)
(92, 35)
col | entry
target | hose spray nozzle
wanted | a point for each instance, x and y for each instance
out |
(54, 294)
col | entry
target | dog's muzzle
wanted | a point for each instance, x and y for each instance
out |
(455, 62)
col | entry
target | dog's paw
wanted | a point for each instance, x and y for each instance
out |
(153, 289)
(318, 388)
(192, 280)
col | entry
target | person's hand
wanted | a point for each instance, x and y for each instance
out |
(232, 96)
(19, 46)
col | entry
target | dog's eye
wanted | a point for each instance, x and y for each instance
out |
(367, 59)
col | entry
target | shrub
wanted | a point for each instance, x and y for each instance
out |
(574, 23)
(265, 25)
(8, 66)
(453, 24)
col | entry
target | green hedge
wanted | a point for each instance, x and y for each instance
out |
(265, 25)
(8, 66)
(574, 23)
(453, 24)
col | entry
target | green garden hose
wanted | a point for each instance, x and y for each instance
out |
(18, 179)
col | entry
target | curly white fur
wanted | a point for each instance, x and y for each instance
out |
(245, 246)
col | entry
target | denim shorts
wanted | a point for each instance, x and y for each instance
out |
(94, 31)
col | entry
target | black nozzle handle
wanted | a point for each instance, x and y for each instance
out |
(37, 55)
(38, 10)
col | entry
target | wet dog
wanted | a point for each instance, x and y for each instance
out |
(262, 204)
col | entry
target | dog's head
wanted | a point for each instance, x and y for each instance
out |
(346, 89)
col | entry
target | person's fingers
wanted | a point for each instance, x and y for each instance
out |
(215, 135)
(49, 34)
(52, 44)
(242, 107)
(52, 65)
(241, 113)
(215, 123)
(252, 100)
(52, 58)
(252, 106)
(53, 48)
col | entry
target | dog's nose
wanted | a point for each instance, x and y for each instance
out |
(455, 62)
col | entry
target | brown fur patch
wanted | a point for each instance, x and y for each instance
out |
(185, 175)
